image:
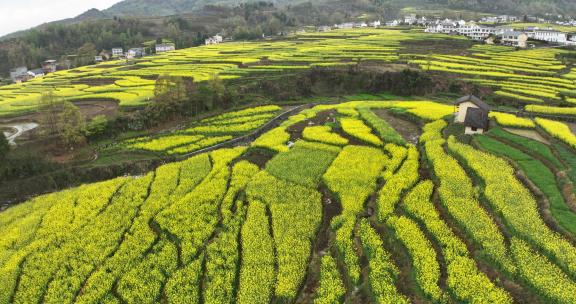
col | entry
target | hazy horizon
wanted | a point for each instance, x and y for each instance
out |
(25, 14)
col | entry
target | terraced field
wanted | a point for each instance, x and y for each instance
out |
(347, 213)
(530, 76)
(204, 133)
(133, 84)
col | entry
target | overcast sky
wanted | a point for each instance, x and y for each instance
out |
(23, 14)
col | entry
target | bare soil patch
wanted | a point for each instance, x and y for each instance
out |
(529, 134)
(18, 119)
(131, 68)
(258, 157)
(106, 66)
(92, 108)
(320, 119)
(377, 66)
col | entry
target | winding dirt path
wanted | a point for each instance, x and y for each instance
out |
(19, 129)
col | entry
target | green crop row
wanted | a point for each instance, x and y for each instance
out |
(457, 194)
(465, 281)
(558, 130)
(382, 128)
(356, 128)
(515, 203)
(391, 193)
(383, 273)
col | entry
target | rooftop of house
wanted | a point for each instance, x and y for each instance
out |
(476, 118)
(37, 71)
(475, 100)
(547, 31)
(514, 33)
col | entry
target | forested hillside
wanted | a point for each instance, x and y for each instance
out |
(173, 7)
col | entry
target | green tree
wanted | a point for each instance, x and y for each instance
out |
(97, 126)
(171, 97)
(218, 90)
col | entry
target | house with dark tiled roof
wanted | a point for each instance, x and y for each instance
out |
(473, 113)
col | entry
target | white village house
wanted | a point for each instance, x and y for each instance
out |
(135, 53)
(165, 47)
(549, 36)
(375, 23)
(444, 27)
(515, 38)
(214, 40)
(410, 19)
(473, 113)
(117, 52)
(347, 25)
(36, 73)
(475, 31)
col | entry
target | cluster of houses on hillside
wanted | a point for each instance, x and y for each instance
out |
(346, 25)
(566, 23)
(491, 34)
(132, 53)
(506, 34)
(22, 74)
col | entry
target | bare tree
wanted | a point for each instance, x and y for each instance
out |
(49, 109)
(71, 125)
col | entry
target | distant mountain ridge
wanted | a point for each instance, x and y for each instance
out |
(139, 8)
